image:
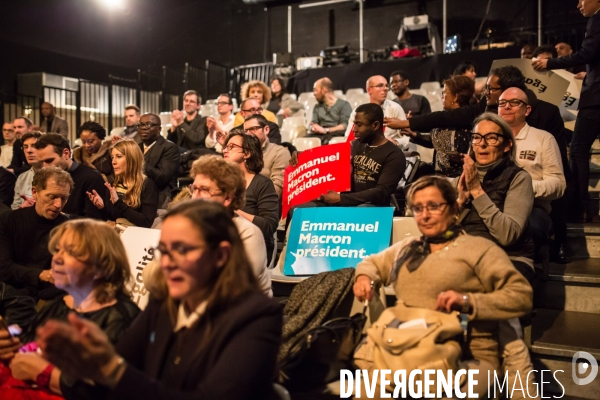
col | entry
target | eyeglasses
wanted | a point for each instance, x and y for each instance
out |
(223, 103)
(178, 253)
(381, 86)
(232, 146)
(490, 89)
(253, 129)
(491, 139)
(253, 110)
(512, 102)
(432, 208)
(203, 190)
(147, 125)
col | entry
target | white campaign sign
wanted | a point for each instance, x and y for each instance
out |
(137, 242)
(571, 100)
(547, 85)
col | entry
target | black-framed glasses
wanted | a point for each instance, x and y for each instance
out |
(232, 146)
(178, 253)
(492, 139)
(254, 110)
(381, 86)
(512, 102)
(203, 190)
(432, 208)
(147, 125)
(223, 103)
(253, 129)
(490, 89)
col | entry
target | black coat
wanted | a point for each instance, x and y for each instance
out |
(190, 136)
(7, 186)
(161, 162)
(19, 162)
(238, 364)
(589, 54)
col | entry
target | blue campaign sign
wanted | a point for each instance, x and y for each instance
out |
(329, 238)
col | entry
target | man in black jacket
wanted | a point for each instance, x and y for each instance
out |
(18, 165)
(588, 118)
(161, 156)
(188, 131)
(251, 106)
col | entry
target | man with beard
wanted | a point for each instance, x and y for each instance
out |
(412, 104)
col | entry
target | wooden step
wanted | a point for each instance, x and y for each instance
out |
(583, 240)
(579, 270)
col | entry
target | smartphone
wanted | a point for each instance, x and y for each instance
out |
(13, 330)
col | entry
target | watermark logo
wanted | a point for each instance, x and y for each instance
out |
(581, 367)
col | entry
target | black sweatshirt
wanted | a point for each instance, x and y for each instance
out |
(86, 179)
(376, 172)
(24, 251)
(142, 216)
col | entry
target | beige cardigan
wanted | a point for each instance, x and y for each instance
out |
(469, 265)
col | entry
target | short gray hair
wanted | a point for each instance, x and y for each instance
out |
(504, 127)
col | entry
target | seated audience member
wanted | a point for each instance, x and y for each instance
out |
(94, 151)
(132, 118)
(564, 49)
(6, 150)
(377, 88)
(7, 188)
(251, 106)
(281, 101)
(472, 276)
(52, 123)
(188, 131)
(22, 192)
(469, 69)
(89, 263)
(543, 115)
(24, 258)
(18, 165)
(133, 196)
(412, 104)
(545, 51)
(53, 149)
(161, 156)
(496, 195)
(276, 158)
(458, 91)
(538, 154)
(262, 206)
(221, 125)
(330, 115)
(259, 91)
(223, 182)
(217, 335)
(527, 51)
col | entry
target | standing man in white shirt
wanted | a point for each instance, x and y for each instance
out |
(377, 88)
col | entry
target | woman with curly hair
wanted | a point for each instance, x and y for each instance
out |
(260, 91)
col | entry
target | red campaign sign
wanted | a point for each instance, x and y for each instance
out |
(318, 170)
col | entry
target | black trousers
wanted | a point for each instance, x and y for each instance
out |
(587, 128)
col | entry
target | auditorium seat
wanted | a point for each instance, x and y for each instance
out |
(305, 96)
(430, 87)
(208, 110)
(358, 99)
(305, 143)
(339, 94)
(420, 92)
(309, 105)
(293, 96)
(235, 105)
(337, 139)
(292, 128)
(352, 92)
(117, 131)
(436, 106)
(391, 95)
(165, 117)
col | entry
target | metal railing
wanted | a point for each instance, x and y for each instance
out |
(244, 73)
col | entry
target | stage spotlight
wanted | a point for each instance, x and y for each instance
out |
(113, 4)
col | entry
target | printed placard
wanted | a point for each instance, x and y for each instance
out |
(138, 243)
(330, 238)
(571, 98)
(318, 170)
(547, 85)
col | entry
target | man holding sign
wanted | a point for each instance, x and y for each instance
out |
(588, 118)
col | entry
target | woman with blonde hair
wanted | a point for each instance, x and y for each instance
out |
(260, 91)
(133, 196)
(90, 264)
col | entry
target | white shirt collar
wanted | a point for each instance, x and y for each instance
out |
(523, 132)
(186, 321)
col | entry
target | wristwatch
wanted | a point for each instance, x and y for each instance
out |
(466, 305)
(326, 130)
(43, 379)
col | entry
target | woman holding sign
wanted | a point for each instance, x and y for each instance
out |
(262, 206)
(448, 270)
(208, 333)
(89, 263)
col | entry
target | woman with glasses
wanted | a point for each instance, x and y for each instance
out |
(495, 195)
(94, 152)
(207, 333)
(262, 206)
(255, 90)
(90, 264)
(449, 270)
(282, 102)
(449, 143)
(133, 196)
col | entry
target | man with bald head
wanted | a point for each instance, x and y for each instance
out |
(538, 154)
(377, 88)
(161, 156)
(330, 115)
